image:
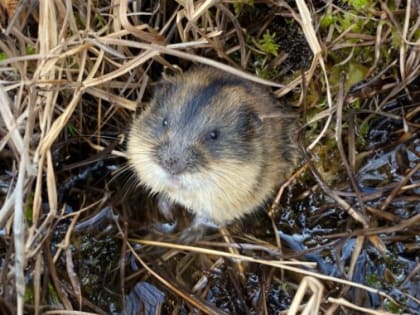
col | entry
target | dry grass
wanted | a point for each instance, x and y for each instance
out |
(72, 75)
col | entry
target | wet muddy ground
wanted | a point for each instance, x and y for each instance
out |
(351, 211)
(308, 224)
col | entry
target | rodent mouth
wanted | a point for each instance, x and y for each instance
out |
(173, 181)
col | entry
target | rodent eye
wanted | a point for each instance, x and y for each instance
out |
(214, 134)
(165, 122)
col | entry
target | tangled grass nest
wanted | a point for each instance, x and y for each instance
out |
(342, 234)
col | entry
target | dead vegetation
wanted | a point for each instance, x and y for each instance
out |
(342, 234)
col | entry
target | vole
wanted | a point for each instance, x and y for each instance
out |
(213, 143)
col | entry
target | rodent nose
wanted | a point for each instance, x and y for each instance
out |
(173, 162)
(174, 165)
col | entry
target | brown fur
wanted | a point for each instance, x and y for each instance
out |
(219, 180)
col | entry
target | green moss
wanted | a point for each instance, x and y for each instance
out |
(29, 295)
(262, 73)
(416, 36)
(362, 133)
(395, 39)
(365, 55)
(356, 72)
(326, 21)
(72, 130)
(100, 19)
(53, 298)
(267, 49)
(239, 4)
(29, 208)
(360, 4)
(268, 43)
(79, 21)
(347, 21)
(3, 56)
(373, 280)
(357, 104)
(334, 72)
(350, 20)
(30, 50)
(392, 307)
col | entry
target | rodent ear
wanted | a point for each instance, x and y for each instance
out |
(255, 119)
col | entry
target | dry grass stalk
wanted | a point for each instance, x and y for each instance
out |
(313, 305)
(91, 66)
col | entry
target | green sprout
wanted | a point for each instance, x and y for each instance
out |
(268, 44)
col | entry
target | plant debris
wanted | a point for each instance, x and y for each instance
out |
(78, 236)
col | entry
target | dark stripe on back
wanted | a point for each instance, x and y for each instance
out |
(203, 95)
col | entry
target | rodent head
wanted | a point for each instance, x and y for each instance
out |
(198, 126)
